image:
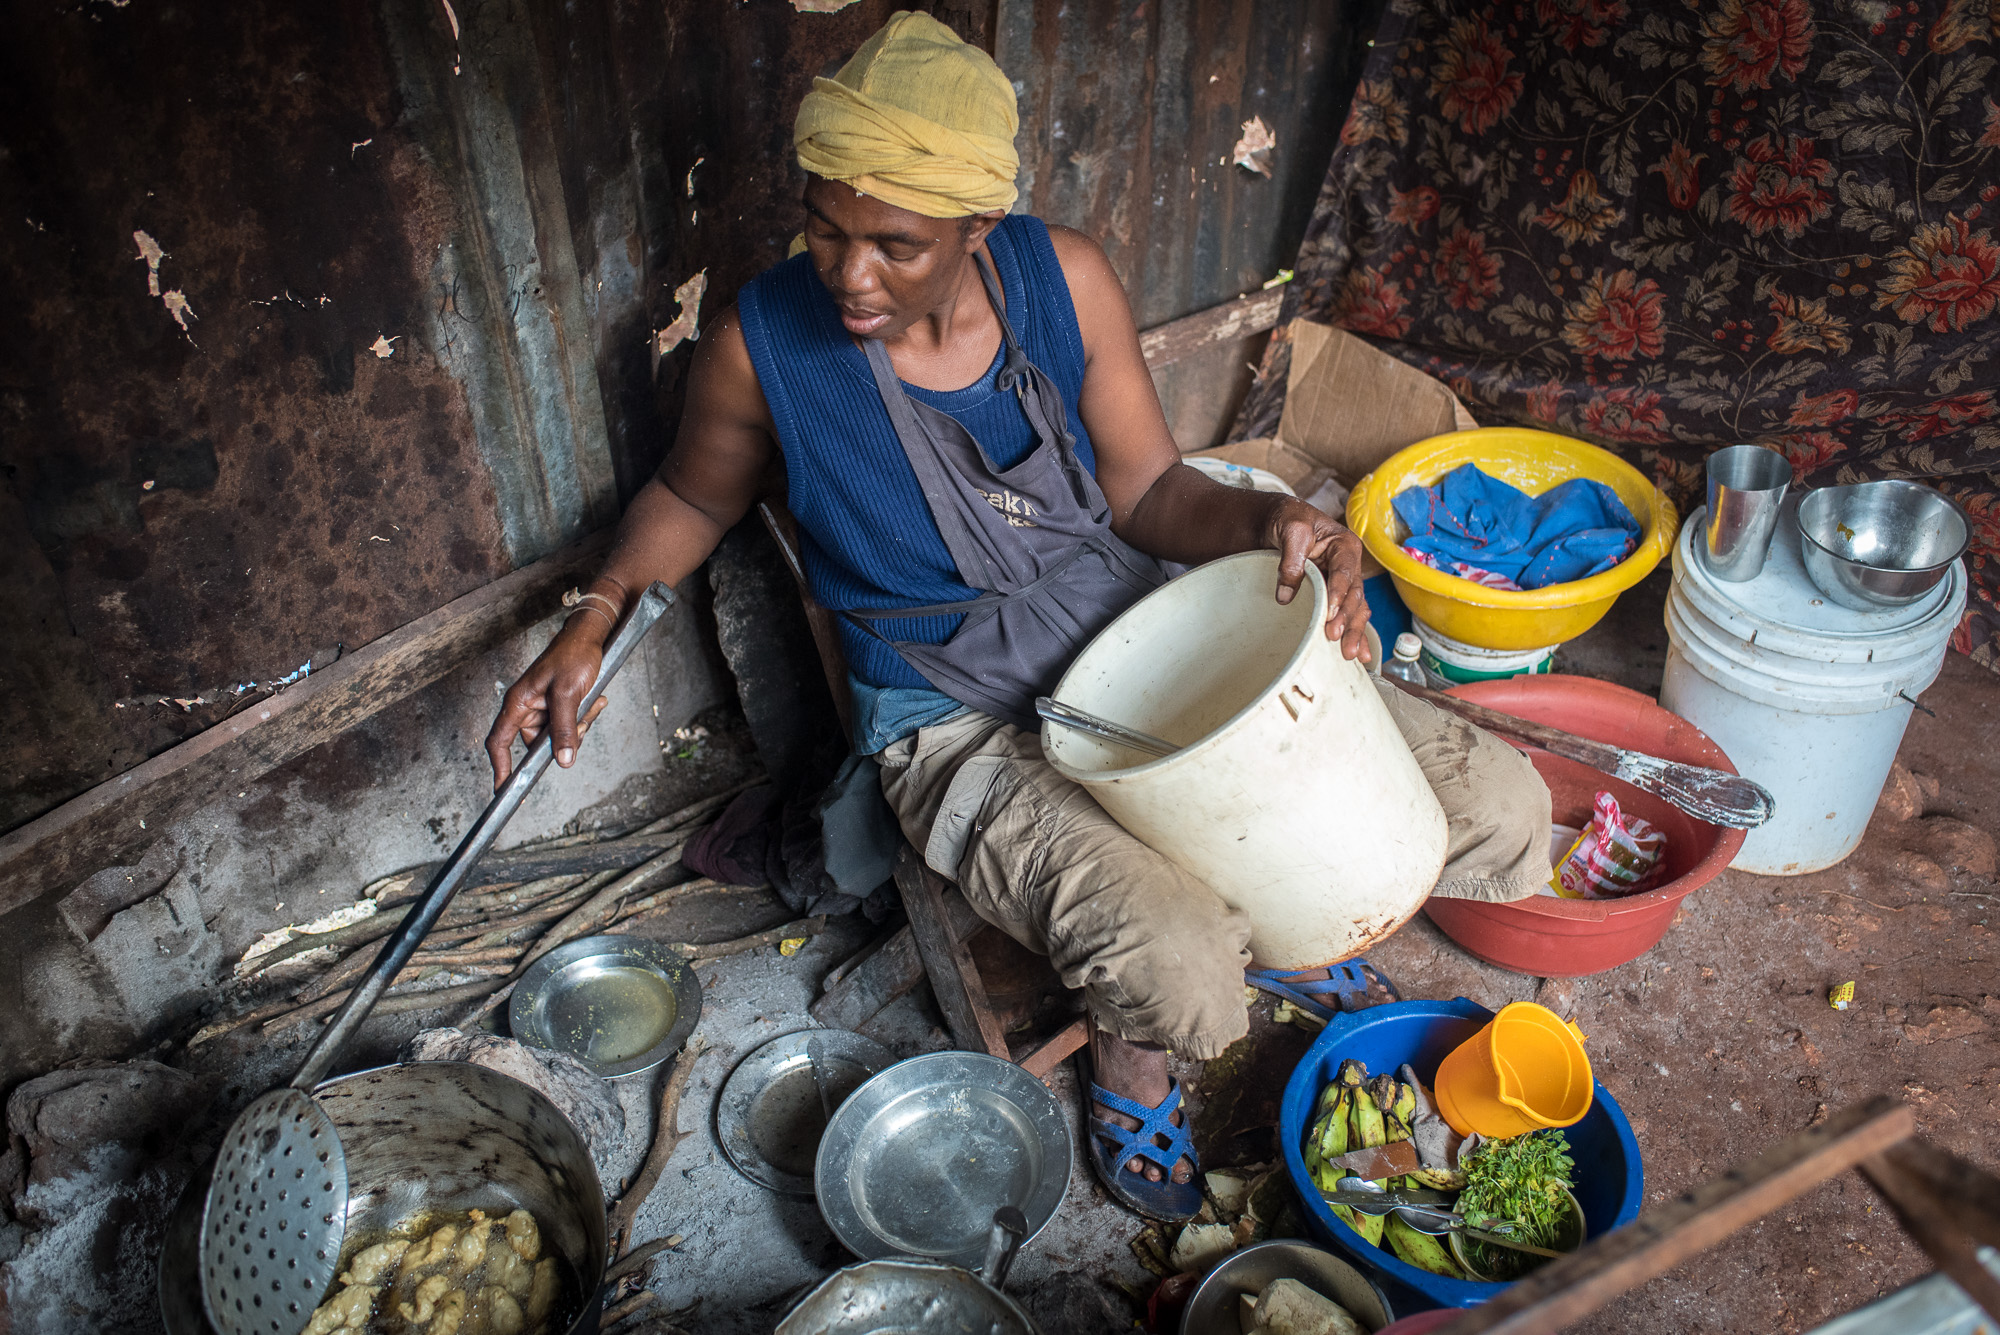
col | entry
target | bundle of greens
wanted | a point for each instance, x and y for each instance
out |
(1525, 1182)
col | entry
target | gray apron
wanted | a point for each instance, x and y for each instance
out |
(1035, 538)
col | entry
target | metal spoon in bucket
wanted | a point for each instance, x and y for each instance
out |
(1069, 716)
(276, 1213)
(1435, 1220)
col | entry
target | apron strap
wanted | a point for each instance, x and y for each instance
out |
(985, 605)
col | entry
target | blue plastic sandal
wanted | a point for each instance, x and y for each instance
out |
(1113, 1146)
(1347, 983)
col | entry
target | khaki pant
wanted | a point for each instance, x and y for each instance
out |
(1159, 957)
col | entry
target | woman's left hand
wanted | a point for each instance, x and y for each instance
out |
(1299, 534)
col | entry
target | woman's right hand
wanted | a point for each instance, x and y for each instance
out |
(547, 696)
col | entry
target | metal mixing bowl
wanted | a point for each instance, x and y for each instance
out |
(1215, 1307)
(1880, 544)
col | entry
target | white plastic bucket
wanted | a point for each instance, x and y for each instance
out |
(1807, 697)
(1293, 796)
(1457, 662)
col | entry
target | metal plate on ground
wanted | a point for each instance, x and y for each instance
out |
(768, 1117)
(917, 1160)
(276, 1213)
(618, 1004)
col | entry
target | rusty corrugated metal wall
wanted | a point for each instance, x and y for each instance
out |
(208, 476)
(206, 494)
(1131, 109)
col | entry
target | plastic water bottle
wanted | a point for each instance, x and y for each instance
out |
(1404, 666)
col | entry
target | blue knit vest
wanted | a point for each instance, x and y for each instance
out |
(867, 536)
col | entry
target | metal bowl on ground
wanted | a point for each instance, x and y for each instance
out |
(1216, 1306)
(890, 1297)
(618, 1004)
(916, 1160)
(1880, 544)
(768, 1118)
(429, 1137)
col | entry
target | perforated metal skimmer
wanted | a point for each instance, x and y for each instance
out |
(276, 1213)
(276, 1216)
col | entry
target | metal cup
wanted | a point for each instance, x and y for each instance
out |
(1746, 489)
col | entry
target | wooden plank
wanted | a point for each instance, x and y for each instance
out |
(114, 822)
(1251, 313)
(888, 973)
(961, 996)
(1950, 1207)
(1039, 1059)
(1572, 1288)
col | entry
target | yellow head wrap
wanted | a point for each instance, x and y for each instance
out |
(918, 119)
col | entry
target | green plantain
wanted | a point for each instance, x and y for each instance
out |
(1367, 1121)
(1421, 1250)
(1368, 1132)
(1334, 1130)
(1406, 1104)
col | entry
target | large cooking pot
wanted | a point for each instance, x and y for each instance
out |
(442, 1136)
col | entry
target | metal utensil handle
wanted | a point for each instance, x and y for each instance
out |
(445, 882)
(1499, 1240)
(1010, 1226)
(1069, 716)
(816, 1055)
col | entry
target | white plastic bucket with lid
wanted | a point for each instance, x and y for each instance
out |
(1807, 697)
(1293, 794)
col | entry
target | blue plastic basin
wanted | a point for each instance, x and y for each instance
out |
(1609, 1182)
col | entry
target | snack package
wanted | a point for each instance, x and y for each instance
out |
(1617, 856)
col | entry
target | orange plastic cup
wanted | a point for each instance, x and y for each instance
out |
(1526, 1070)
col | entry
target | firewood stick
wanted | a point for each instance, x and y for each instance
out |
(613, 1315)
(631, 1261)
(555, 907)
(655, 906)
(667, 1137)
(594, 910)
(373, 927)
(698, 811)
(327, 1004)
(487, 955)
(481, 927)
(343, 971)
(716, 950)
(211, 1032)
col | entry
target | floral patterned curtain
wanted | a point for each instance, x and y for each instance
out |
(1669, 227)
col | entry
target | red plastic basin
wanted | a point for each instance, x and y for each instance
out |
(1568, 938)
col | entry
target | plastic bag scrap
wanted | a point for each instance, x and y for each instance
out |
(1617, 856)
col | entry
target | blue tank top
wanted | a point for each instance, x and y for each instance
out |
(867, 538)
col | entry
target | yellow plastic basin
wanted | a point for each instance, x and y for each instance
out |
(1534, 461)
